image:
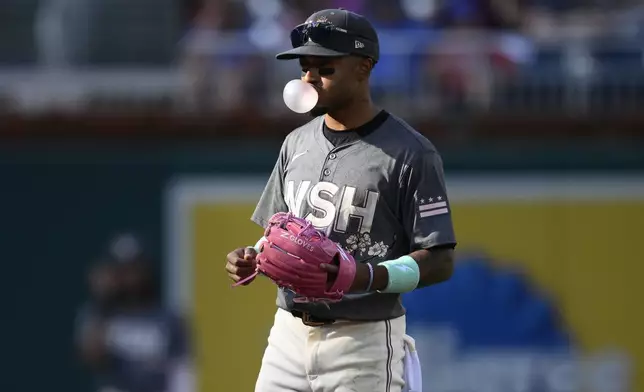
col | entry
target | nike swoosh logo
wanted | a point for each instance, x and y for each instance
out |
(298, 155)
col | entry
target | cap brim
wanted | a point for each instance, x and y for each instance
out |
(311, 49)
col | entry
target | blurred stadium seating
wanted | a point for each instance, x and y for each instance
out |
(443, 57)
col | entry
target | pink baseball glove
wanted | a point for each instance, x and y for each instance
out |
(292, 254)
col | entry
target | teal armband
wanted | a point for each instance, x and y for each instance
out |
(256, 246)
(404, 275)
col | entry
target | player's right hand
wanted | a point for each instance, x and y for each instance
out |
(240, 264)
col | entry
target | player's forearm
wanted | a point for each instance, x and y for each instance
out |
(434, 266)
(363, 277)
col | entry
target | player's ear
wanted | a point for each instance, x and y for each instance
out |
(365, 65)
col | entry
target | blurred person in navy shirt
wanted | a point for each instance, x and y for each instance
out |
(486, 14)
(403, 39)
(126, 337)
(216, 57)
(481, 44)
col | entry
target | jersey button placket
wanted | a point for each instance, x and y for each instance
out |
(327, 171)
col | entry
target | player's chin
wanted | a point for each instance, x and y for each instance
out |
(318, 111)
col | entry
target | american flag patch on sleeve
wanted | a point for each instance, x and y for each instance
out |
(432, 207)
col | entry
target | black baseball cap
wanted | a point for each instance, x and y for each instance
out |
(333, 33)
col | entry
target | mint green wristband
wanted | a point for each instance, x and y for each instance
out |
(404, 275)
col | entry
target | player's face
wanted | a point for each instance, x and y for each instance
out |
(334, 78)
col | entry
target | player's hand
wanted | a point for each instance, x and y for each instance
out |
(332, 272)
(240, 264)
(360, 281)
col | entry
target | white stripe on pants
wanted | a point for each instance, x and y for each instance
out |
(341, 357)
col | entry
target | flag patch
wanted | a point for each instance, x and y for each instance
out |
(433, 209)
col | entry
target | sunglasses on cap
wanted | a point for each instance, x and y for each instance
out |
(331, 37)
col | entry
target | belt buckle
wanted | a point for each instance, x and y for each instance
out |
(308, 320)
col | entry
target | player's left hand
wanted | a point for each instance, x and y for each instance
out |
(359, 282)
(332, 272)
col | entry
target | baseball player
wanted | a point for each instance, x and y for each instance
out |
(375, 186)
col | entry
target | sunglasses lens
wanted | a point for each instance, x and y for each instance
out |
(318, 34)
(326, 71)
(297, 37)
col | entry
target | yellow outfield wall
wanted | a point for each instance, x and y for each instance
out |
(578, 239)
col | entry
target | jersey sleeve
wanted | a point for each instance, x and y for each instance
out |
(427, 214)
(272, 199)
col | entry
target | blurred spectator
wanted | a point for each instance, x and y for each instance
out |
(359, 6)
(479, 14)
(271, 24)
(92, 32)
(480, 46)
(401, 41)
(311, 6)
(125, 335)
(436, 54)
(215, 58)
(62, 32)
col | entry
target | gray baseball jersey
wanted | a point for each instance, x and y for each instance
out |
(380, 195)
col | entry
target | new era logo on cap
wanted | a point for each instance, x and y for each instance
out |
(359, 45)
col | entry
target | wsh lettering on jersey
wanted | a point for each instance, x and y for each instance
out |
(330, 207)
